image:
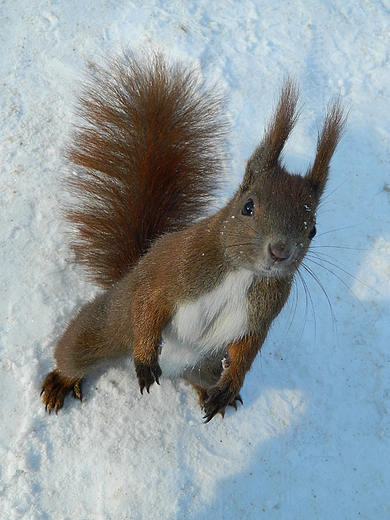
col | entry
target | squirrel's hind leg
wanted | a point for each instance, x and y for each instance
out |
(55, 388)
(89, 339)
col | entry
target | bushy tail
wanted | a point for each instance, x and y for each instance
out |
(147, 153)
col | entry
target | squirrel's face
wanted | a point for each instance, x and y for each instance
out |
(272, 225)
(270, 222)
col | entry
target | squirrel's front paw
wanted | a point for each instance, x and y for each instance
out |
(218, 400)
(147, 374)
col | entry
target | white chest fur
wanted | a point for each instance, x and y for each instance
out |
(206, 325)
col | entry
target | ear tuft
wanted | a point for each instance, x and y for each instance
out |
(268, 152)
(328, 139)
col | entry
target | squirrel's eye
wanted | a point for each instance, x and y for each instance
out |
(312, 233)
(247, 210)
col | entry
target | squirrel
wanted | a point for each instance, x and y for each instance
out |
(186, 294)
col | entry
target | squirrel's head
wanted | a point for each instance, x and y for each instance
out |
(271, 220)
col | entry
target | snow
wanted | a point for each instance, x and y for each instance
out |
(312, 439)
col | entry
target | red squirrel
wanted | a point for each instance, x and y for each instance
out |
(185, 294)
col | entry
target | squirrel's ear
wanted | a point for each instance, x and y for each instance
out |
(328, 139)
(268, 152)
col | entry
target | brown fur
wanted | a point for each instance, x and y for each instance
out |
(148, 154)
(157, 125)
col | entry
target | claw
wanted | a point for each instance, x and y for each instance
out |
(207, 417)
(217, 402)
(55, 388)
(147, 375)
(77, 391)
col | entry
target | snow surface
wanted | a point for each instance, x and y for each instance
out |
(312, 439)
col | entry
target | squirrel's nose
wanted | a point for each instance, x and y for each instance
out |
(278, 251)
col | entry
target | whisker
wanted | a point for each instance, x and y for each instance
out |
(239, 244)
(335, 189)
(307, 299)
(316, 278)
(293, 311)
(342, 247)
(340, 279)
(320, 258)
(334, 230)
